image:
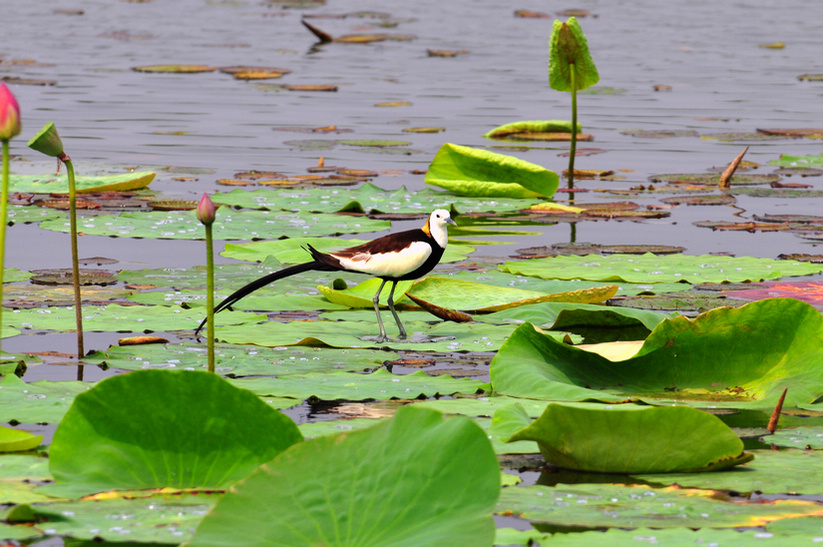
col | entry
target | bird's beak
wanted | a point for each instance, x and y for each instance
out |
(451, 221)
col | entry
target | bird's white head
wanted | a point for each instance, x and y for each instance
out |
(436, 226)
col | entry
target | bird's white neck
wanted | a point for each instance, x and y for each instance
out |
(436, 227)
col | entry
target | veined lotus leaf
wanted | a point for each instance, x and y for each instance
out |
(619, 506)
(163, 518)
(625, 438)
(26, 214)
(43, 401)
(360, 331)
(571, 67)
(771, 472)
(361, 295)
(810, 160)
(479, 297)
(679, 361)
(229, 225)
(480, 173)
(415, 479)
(240, 360)
(542, 126)
(379, 385)
(159, 428)
(59, 184)
(650, 268)
(292, 250)
(119, 318)
(18, 440)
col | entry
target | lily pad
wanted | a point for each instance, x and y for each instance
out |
(229, 225)
(625, 438)
(649, 268)
(175, 69)
(678, 361)
(712, 179)
(474, 172)
(59, 184)
(449, 502)
(154, 429)
(43, 401)
(786, 160)
(16, 440)
(514, 128)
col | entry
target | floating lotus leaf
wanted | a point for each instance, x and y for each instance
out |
(43, 401)
(771, 472)
(810, 160)
(480, 173)
(678, 360)
(157, 428)
(376, 143)
(59, 184)
(649, 268)
(361, 295)
(449, 502)
(743, 226)
(742, 137)
(625, 438)
(176, 69)
(684, 302)
(712, 178)
(794, 132)
(513, 128)
(659, 133)
(17, 440)
(229, 225)
(27, 214)
(617, 506)
(708, 199)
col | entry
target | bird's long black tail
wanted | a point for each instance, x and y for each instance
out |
(262, 282)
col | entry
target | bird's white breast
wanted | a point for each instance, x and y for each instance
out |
(389, 264)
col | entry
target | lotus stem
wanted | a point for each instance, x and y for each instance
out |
(3, 215)
(75, 260)
(210, 296)
(573, 148)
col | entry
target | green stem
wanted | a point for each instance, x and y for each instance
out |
(210, 295)
(75, 259)
(3, 213)
(573, 148)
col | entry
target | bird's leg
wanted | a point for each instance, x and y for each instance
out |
(390, 302)
(376, 300)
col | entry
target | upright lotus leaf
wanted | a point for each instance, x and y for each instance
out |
(629, 438)
(480, 173)
(415, 479)
(59, 184)
(361, 295)
(542, 126)
(158, 428)
(728, 356)
(571, 67)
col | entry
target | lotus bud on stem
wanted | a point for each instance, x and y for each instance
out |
(10, 127)
(206, 212)
(47, 141)
(772, 427)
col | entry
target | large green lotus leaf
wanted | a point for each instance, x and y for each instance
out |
(260, 300)
(480, 173)
(650, 268)
(671, 537)
(43, 401)
(797, 437)
(159, 428)
(163, 519)
(810, 160)
(379, 385)
(771, 472)
(367, 198)
(292, 251)
(423, 336)
(19, 475)
(619, 506)
(16, 440)
(59, 183)
(27, 214)
(10, 532)
(571, 67)
(229, 225)
(679, 360)
(361, 295)
(119, 318)
(239, 361)
(483, 406)
(533, 126)
(627, 438)
(415, 479)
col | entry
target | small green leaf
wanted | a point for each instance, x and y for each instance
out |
(15, 440)
(415, 479)
(569, 51)
(59, 184)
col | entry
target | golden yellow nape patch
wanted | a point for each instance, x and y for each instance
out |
(614, 351)
(426, 229)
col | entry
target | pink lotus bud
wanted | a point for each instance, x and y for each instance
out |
(206, 210)
(10, 125)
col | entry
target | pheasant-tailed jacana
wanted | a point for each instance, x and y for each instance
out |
(394, 257)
